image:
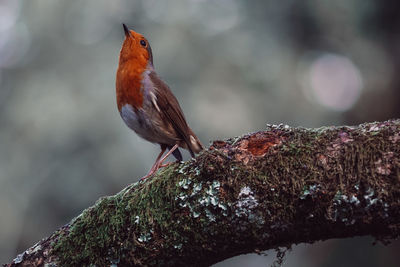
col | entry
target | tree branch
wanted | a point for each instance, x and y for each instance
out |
(260, 191)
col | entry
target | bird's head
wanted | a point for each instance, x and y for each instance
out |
(135, 48)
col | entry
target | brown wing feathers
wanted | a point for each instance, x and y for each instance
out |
(169, 106)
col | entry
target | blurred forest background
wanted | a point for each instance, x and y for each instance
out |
(234, 66)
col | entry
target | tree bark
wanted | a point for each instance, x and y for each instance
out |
(263, 190)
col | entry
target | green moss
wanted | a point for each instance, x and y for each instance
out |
(102, 229)
(207, 204)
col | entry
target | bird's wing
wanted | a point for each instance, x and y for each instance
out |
(168, 106)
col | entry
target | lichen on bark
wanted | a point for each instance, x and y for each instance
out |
(263, 190)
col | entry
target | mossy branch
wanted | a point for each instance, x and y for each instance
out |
(263, 190)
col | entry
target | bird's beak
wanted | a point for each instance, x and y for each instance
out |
(126, 30)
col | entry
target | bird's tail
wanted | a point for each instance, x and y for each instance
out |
(194, 144)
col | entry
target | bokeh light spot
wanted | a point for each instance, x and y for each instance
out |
(335, 81)
(14, 45)
(9, 12)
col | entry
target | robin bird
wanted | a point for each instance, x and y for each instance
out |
(147, 105)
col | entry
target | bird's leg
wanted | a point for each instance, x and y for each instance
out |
(177, 154)
(165, 164)
(156, 164)
(160, 164)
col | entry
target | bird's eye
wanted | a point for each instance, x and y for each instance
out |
(142, 42)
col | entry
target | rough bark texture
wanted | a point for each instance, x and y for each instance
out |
(260, 191)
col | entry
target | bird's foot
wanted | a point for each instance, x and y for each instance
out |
(156, 167)
(163, 165)
(146, 176)
(153, 169)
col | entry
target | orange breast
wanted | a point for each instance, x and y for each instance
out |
(128, 85)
